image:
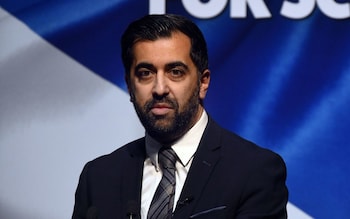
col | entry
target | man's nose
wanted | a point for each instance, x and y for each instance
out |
(160, 87)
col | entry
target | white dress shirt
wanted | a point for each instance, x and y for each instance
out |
(185, 149)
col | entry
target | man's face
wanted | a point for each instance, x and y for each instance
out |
(165, 86)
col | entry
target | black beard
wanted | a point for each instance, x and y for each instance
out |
(177, 126)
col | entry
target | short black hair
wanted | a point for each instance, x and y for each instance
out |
(153, 27)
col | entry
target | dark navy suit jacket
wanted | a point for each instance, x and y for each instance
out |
(230, 177)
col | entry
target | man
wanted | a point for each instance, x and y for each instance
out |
(186, 166)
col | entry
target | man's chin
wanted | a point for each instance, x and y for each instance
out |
(162, 121)
(163, 127)
(164, 136)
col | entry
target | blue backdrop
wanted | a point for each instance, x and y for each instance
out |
(282, 83)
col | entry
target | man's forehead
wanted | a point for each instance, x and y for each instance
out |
(177, 37)
(162, 52)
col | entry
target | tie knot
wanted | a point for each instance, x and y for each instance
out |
(167, 158)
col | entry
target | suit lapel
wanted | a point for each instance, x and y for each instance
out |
(132, 179)
(204, 162)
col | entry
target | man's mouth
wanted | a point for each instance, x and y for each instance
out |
(159, 109)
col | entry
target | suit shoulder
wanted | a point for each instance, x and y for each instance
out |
(120, 154)
(233, 143)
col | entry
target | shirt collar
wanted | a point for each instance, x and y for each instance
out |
(185, 147)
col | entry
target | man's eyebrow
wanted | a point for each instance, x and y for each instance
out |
(176, 64)
(167, 66)
(144, 65)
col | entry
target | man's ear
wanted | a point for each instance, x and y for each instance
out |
(204, 85)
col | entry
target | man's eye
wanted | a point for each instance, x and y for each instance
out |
(144, 74)
(176, 73)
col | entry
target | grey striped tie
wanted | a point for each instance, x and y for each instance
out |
(163, 199)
